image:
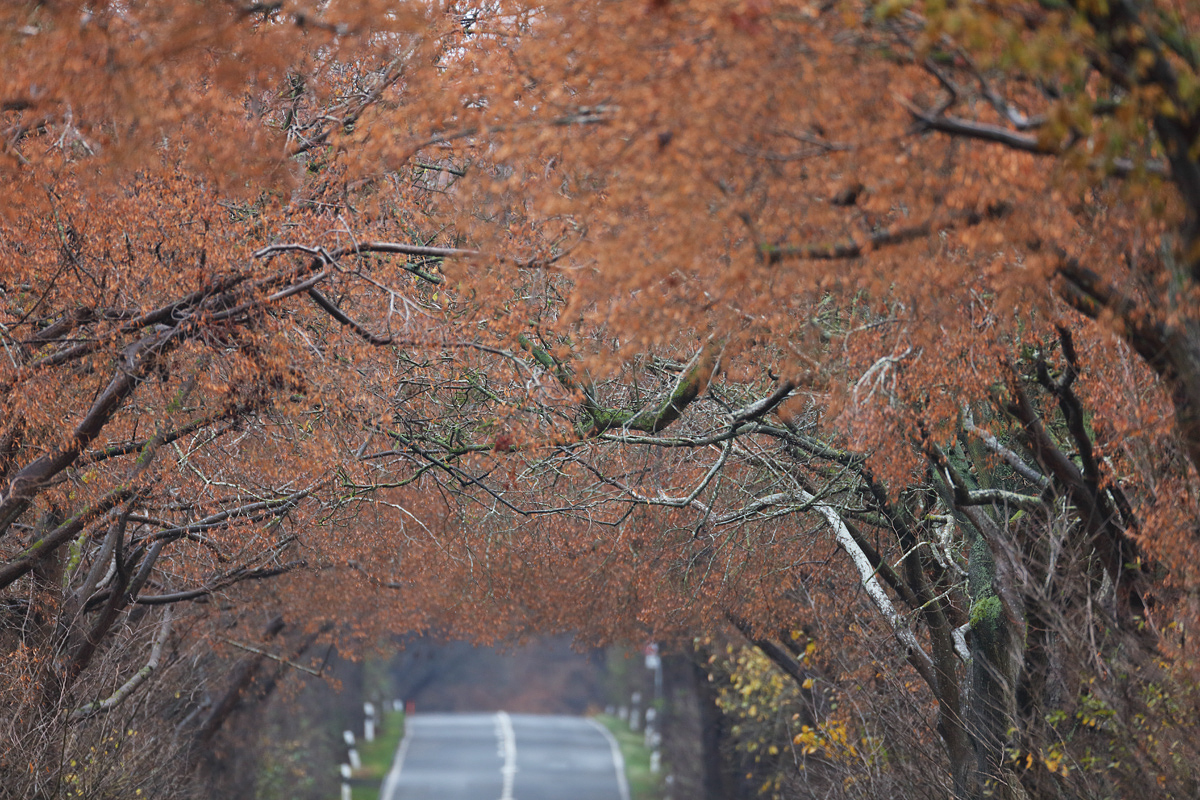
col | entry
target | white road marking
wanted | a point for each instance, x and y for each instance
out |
(393, 776)
(508, 750)
(618, 759)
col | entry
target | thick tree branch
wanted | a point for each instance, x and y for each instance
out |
(883, 604)
(223, 582)
(136, 360)
(979, 130)
(28, 558)
(1019, 465)
(887, 237)
(654, 418)
(116, 450)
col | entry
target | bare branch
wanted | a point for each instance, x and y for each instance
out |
(138, 678)
(272, 656)
(1019, 465)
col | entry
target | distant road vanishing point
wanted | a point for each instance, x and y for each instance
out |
(505, 757)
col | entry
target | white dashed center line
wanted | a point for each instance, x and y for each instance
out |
(508, 751)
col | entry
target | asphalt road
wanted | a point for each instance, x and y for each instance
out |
(505, 757)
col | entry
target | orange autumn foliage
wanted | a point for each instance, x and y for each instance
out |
(627, 319)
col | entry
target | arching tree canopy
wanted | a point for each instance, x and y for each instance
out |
(868, 332)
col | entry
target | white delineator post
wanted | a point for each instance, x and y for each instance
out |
(345, 782)
(369, 722)
(653, 739)
(355, 761)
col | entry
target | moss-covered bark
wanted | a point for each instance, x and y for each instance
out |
(990, 708)
(652, 418)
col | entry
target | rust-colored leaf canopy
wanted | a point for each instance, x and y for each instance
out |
(626, 318)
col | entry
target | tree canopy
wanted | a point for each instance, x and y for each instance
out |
(866, 333)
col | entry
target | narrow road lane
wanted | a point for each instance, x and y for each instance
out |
(505, 757)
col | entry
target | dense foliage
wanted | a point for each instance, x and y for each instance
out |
(866, 334)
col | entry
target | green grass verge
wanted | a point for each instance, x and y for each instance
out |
(377, 757)
(643, 784)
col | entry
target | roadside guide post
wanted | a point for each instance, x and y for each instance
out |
(369, 722)
(653, 737)
(355, 761)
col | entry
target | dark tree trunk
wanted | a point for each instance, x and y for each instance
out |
(720, 779)
(243, 677)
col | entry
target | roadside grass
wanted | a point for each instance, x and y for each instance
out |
(377, 758)
(643, 784)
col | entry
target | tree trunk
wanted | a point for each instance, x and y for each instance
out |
(719, 780)
(991, 706)
(243, 676)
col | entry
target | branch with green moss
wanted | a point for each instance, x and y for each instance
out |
(27, 558)
(652, 418)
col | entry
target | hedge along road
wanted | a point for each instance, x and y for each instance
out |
(505, 757)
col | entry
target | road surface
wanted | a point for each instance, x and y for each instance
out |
(505, 757)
